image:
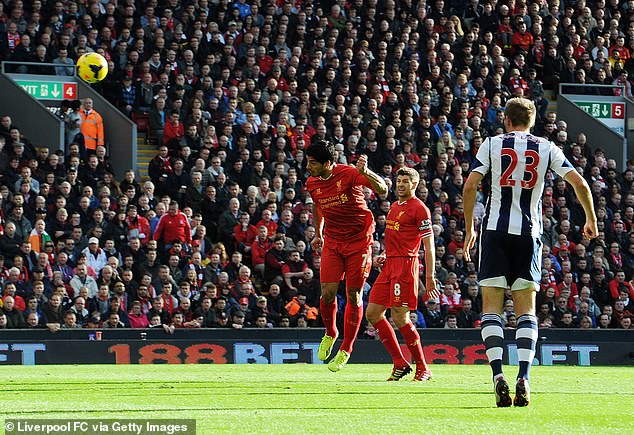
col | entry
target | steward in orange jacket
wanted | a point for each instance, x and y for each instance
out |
(297, 306)
(91, 126)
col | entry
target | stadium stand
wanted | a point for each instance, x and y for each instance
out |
(229, 95)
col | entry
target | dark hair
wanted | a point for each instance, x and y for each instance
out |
(409, 172)
(323, 151)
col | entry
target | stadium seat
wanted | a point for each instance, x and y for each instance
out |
(142, 121)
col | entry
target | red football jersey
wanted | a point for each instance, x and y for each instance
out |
(407, 223)
(342, 204)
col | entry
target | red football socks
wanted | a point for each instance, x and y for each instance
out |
(412, 340)
(351, 322)
(388, 338)
(329, 317)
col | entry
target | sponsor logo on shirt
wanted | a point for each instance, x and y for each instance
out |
(392, 225)
(334, 200)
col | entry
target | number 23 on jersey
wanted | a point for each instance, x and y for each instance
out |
(509, 163)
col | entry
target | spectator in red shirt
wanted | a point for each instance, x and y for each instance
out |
(174, 131)
(450, 300)
(457, 242)
(624, 52)
(268, 222)
(10, 291)
(173, 226)
(569, 284)
(136, 316)
(259, 248)
(620, 282)
(504, 33)
(264, 60)
(244, 233)
(293, 271)
(517, 84)
(521, 40)
(138, 226)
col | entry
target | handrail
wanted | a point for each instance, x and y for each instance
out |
(586, 85)
(12, 62)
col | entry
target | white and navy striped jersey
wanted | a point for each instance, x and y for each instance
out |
(518, 163)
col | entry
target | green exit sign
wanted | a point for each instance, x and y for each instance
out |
(49, 90)
(602, 110)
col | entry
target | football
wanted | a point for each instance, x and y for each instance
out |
(92, 67)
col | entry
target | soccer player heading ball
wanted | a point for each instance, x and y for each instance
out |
(396, 287)
(510, 239)
(343, 232)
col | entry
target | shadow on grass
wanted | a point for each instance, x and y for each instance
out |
(237, 409)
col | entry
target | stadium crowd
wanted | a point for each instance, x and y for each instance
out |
(233, 92)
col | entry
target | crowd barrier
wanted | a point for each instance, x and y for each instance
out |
(275, 346)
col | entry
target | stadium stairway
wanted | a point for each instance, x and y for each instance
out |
(145, 153)
(552, 100)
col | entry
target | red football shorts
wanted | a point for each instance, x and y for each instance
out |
(350, 259)
(397, 284)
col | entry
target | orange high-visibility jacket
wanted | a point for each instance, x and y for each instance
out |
(293, 308)
(92, 129)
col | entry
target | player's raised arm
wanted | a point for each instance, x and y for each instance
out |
(582, 190)
(469, 198)
(378, 183)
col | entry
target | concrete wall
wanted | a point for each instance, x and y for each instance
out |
(34, 120)
(599, 136)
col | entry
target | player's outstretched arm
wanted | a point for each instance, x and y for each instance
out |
(469, 198)
(582, 190)
(378, 183)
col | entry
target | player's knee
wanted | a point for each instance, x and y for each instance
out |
(328, 293)
(327, 298)
(400, 317)
(525, 310)
(400, 322)
(373, 316)
(354, 295)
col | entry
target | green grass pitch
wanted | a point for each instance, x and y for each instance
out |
(245, 399)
